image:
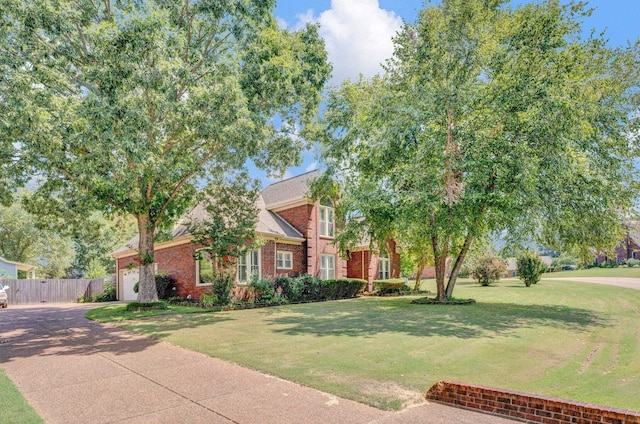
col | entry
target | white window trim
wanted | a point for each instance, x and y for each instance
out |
(198, 283)
(283, 264)
(327, 224)
(384, 268)
(328, 276)
(247, 258)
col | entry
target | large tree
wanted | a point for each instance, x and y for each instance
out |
(128, 106)
(488, 118)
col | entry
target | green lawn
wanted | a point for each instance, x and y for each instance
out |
(15, 408)
(564, 339)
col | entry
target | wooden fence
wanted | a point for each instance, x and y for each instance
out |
(25, 292)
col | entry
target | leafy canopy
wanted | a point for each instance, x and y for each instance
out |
(127, 106)
(488, 118)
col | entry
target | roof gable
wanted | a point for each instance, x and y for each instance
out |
(289, 190)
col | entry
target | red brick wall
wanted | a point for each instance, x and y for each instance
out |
(268, 252)
(178, 262)
(358, 265)
(298, 217)
(523, 406)
(305, 219)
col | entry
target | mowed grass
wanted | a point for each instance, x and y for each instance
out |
(571, 340)
(15, 408)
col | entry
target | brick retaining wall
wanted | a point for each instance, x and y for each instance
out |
(527, 407)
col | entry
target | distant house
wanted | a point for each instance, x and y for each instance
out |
(298, 234)
(11, 269)
(629, 247)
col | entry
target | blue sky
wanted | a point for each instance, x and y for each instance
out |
(358, 33)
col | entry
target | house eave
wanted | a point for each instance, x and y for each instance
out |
(280, 238)
(281, 206)
(158, 246)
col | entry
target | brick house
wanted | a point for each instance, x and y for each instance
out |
(629, 247)
(298, 236)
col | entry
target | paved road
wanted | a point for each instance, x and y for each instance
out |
(629, 283)
(72, 370)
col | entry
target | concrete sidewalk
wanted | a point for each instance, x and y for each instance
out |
(72, 370)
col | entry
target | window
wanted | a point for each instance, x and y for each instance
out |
(634, 255)
(284, 260)
(249, 266)
(204, 269)
(327, 224)
(327, 267)
(384, 267)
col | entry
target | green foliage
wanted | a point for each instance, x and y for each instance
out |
(96, 269)
(164, 285)
(289, 288)
(208, 300)
(631, 263)
(488, 118)
(263, 290)
(27, 240)
(221, 286)
(228, 229)
(15, 408)
(391, 286)
(565, 259)
(530, 267)
(341, 288)
(108, 293)
(488, 269)
(145, 306)
(129, 107)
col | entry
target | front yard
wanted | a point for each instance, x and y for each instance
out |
(564, 339)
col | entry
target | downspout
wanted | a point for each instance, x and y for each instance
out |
(275, 258)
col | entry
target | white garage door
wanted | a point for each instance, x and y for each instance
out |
(129, 278)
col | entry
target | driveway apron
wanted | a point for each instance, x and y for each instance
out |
(72, 370)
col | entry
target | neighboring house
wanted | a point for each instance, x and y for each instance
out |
(298, 235)
(629, 247)
(9, 269)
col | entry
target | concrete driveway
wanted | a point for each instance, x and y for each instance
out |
(629, 283)
(72, 370)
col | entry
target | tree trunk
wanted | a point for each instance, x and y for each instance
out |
(440, 260)
(147, 287)
(458, 265)
(416, 286)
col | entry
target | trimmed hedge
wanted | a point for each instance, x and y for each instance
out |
(341, 288)
(393, 285)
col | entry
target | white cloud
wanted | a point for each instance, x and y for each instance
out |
(357, 34)
(312, 166)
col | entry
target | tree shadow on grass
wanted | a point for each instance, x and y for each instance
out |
(462, 321)
(60, 330)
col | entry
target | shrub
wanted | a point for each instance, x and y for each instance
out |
(177, 300)
(564, 260)
(287, 288)
(309, 287)
(108, 293)
(164, 285)
(263, 290)
(341, 288)
(221, 287)
(631, 263)
(488, 269)
(530, 267)
(151, 306)
(208, 300)
(391, 286)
